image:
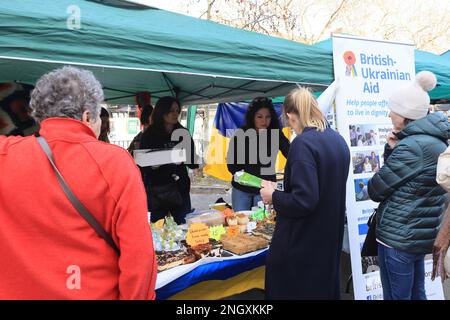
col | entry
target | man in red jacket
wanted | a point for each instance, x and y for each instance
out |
(47, 249)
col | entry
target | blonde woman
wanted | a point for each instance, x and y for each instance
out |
(303, 261)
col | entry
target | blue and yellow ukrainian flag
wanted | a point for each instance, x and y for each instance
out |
(229, 117)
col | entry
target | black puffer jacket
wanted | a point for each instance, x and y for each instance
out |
(411, 200)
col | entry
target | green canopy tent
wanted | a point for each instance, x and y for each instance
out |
(136, 48)
(439, 65)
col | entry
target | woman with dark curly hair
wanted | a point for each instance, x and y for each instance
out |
(254, 148)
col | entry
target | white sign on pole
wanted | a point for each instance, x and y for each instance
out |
(368, 71)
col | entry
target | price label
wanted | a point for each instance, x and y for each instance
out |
(198, 233)
(232, 231)
(216, 232)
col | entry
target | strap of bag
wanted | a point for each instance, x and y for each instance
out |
(74, 200)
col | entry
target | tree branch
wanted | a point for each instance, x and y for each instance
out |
(332, 18)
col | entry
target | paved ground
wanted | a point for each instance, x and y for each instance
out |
(202, 197)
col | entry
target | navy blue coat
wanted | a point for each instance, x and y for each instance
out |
(304, 257)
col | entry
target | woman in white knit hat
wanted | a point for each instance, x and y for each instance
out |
(411, 201)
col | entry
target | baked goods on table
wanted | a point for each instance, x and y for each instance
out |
(232, 221)
(265, 231)
(244, 243)
(167, 235)
(216, 248)
(242, 218)
(171, 259)
(172, 249)
(213, 248)
(200, 251)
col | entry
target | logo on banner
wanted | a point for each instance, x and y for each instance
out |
(350, 60)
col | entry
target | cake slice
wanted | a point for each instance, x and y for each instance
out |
(170, 259)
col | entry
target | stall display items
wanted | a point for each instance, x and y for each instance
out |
(211, 218)
(216, 248)
(265, 231)
(271, 218)
(232, 221)
(168, 236)
(171, 259)
(242, 221)
(212, 234)
(200, 251)
(237, 219)
(213, 248)
(243, 243)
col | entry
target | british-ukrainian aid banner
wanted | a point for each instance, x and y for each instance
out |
(369, 71)
(229, 117)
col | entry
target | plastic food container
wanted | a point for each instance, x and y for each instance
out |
(213, 218)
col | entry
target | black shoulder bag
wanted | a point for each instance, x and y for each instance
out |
(370, 246)
(74, 200)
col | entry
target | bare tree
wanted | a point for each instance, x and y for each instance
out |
(425, 23)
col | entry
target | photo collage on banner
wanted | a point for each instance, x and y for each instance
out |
(368, 71)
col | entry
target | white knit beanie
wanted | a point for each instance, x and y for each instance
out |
(412, 101)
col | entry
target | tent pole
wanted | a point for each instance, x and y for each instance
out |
(192, 110)
(169, 85)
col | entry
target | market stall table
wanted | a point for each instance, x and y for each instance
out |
(213, 278)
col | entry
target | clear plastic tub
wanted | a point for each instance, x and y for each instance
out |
(211, 218)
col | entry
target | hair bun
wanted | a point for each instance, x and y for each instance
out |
(427, 80)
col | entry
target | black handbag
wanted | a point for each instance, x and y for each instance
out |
(370, 246)
(165, 196)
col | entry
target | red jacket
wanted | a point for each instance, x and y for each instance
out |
(47, 250)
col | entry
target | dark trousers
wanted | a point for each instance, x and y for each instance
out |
(402, 274)
(178, 213)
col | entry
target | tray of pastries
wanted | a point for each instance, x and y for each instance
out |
(244, 243)
(211, 249)
(265, 231)
(171, 259)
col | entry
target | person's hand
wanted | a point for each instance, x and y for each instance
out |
(392, 139)
(267, 191)
(265, 184)
(440, 247)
